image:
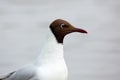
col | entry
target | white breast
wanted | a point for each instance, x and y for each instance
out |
(53, 71)
(51, 64)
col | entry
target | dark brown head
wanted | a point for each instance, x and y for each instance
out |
(60, 28)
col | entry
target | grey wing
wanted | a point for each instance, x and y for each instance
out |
(27, 73)
(6, 76)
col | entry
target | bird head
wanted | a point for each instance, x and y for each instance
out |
(60, 28)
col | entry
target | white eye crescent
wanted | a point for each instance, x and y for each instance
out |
(62, 25)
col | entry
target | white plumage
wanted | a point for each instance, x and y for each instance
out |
(50, 64)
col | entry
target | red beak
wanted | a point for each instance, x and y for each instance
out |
(80, 30)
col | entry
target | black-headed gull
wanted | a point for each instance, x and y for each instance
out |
(50, 64)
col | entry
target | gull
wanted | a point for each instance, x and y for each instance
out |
(50, 64)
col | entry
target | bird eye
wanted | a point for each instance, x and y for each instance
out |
(63, 26)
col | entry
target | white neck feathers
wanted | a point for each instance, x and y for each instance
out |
(51, 51)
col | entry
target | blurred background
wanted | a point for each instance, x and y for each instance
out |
(95, 56)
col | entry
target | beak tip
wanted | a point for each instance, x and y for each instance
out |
(81, 31)
(85, 32)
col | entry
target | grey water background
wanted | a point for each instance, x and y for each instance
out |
(95, 56)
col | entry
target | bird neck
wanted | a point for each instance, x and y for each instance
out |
(51, 51)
